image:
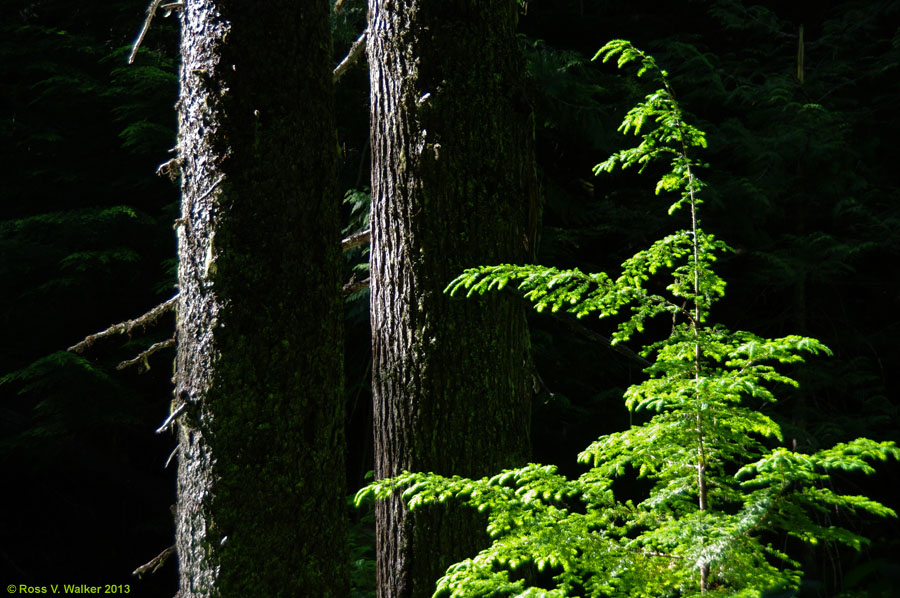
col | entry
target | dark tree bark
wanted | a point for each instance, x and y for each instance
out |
(453, 186)
(258, 373)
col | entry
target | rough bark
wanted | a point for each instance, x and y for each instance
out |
(260, 508)
(453, 186)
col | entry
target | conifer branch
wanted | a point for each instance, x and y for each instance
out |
(126, 327)
(356, 50)
(356, 239)
(566, 319)
(143, 355)
(170, 420)
(151, 12)
(155, 563)
(355, 285)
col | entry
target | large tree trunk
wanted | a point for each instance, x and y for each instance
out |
(258, 374)
(452, 187)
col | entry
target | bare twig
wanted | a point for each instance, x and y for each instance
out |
(126, 327)
(354, 286)
(170, 168)
(165, 425)
(155, 563)
(212, 188)
(356, 50)
(143, 355)
(172, 6)
(356, 239)
(151, 12)
(171, 456)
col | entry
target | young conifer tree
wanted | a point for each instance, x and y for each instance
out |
(723, 487)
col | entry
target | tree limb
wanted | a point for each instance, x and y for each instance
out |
(143, 355)
(151, 12)
(356, 50)
(155, 563)
(572, 323)
(356, 239)
(169, 420)
(354, 286)
(125, 327)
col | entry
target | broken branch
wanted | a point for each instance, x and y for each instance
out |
(155, 563)
(354, 285)
(356, 239)
(125, 327)
(143, 355)
(356, 50)
(165, 425)
(151, 12)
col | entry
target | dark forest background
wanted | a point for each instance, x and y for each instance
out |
(803, 159)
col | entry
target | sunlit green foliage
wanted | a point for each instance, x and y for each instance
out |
(722, 487)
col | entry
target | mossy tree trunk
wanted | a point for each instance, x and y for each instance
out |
(453, 186)
(260, 508)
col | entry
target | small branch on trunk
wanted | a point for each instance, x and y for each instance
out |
(170, 169)
(356, 50)
(354, 286)
(171, 456)
(169, 420)
(172, 6)
(155, 563)
(143, 355)
(151, 12)
(356, 239)
(539, 384)
(126, 327)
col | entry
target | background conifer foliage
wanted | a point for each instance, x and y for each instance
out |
(800, 181)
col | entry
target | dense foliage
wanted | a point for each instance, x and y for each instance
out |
(722, 485)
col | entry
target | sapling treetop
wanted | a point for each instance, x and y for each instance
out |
(723, 487)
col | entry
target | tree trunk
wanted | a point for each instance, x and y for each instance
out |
(453, 186)
(258, 373)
